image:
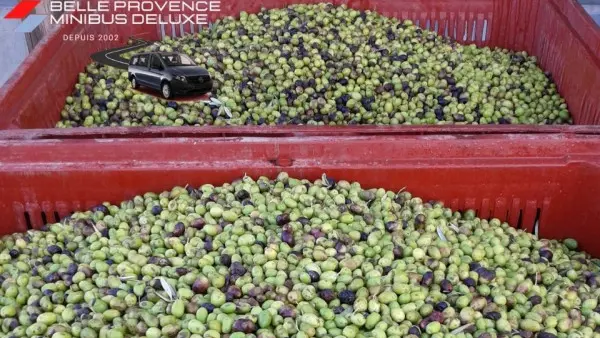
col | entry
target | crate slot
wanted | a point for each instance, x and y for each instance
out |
(162, 31)
(27, 220)
(484, 33)
(474, 33)
(44, 219)
(56, 217)
(446, 33)
(519, 224)
(536, 226)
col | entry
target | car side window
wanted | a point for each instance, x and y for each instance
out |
(155, 63)
(134, 61)
(143, 61)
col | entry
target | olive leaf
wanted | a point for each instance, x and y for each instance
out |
(454, 228)
(168, 289)
(125, 278)
(215, 102)
(96, 229)
(441, 234)
(461, 329)
(325, 181)
(228, 112)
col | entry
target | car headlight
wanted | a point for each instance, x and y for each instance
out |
(181, 78)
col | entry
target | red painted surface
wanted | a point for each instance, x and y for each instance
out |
(283, 131)
(565, 39)
(553, 179)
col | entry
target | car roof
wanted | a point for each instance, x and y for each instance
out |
(159, 53)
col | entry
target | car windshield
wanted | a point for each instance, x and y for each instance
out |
(177, 60)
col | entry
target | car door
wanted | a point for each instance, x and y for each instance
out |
(141, 70)
(156, 71)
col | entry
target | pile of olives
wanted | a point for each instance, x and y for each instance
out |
(328, 65)
(292, 258)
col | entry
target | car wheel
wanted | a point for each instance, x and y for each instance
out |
(166, 90)
(134, 83)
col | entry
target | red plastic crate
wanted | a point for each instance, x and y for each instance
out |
(551, 181)
(559, 32)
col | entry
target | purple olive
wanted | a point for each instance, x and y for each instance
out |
(287, 237)
(525, 334)
(486, 275)
(592, 281)
(208, 244)
(327, 295)
(181, 271)
(255, 291)
(72, 269)
(440, 306)
(356, 209)
(347, 297)
(14, 253)
(10, 323)
(209, 307)
(316, 233)
(287, 312)
(52, 277)
(474, 266)
(535, 300)
(424, 322)
(288, 283)
(544, 334)
(420, 219)
(101, 208)
(340, 247)
(391, 226)
(398, 252)
(436, 316)
(179, 229)
(242, 195)
(200, 286)
(237, 269)
(54, 249)
(198, 223)
(414, 330)
(225, 260)
(282, 219)
(233, 292)
(493, 315)
(314, 276)
(446, 286)
(427, 278)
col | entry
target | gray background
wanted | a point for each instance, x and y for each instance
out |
(14, 46)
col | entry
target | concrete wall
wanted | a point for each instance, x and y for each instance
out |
(13, 46)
